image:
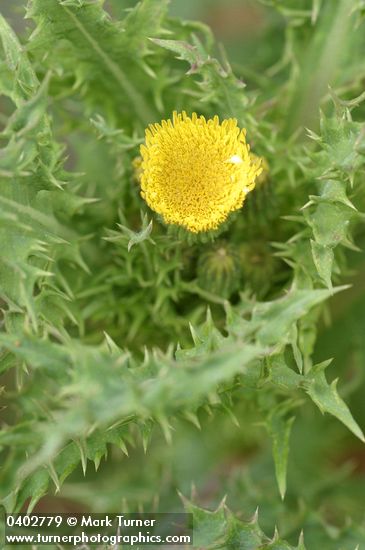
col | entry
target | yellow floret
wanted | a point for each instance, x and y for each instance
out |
(196, 171)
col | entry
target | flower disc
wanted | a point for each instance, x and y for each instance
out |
(196, 171)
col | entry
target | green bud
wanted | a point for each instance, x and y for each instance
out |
(219, 269)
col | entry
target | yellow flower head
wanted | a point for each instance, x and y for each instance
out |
(196, 171)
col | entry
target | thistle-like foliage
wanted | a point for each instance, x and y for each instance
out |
(161, 358)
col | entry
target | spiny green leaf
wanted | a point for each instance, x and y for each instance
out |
(330, 223)
(21, 81)
(30, 114)
(209, 527)
(221, 529)
(282, 375)
(326, 397)
(34, 488)
(274, 319)
(97, 65)
(334, 191)
(279, 428)
(323, 259)
(185, 51)
(240, 535)
(342, 141)
(145, 20)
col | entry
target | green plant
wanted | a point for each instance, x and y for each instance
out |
(118, 335)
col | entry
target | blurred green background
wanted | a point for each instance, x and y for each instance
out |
(237, 24)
